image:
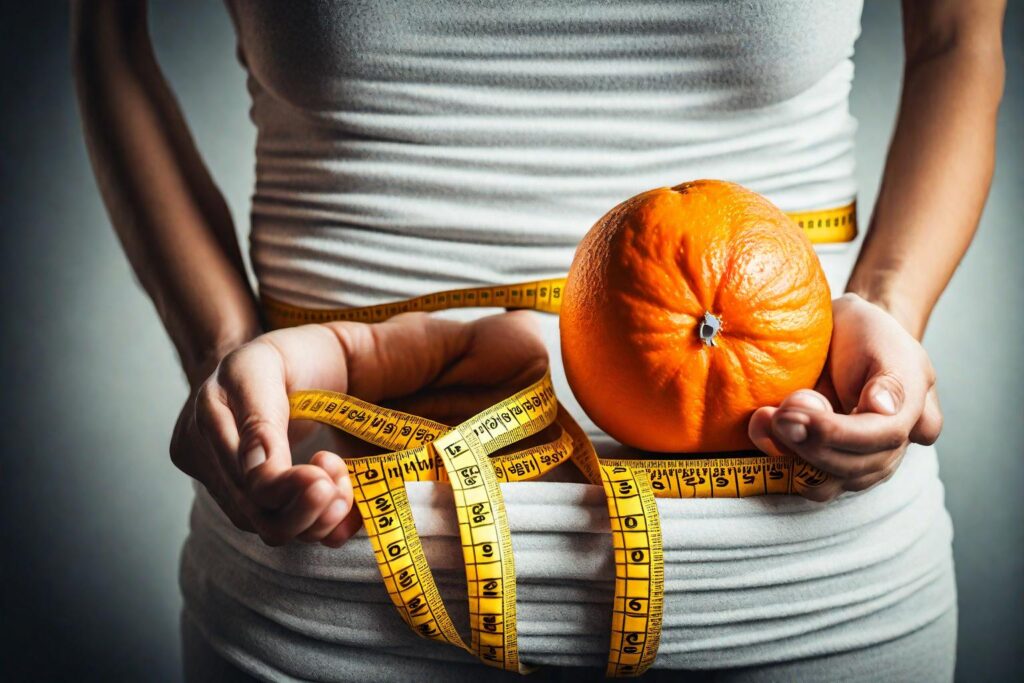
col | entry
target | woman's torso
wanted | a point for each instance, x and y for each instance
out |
(409, 147)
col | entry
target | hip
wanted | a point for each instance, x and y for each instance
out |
(748, 581)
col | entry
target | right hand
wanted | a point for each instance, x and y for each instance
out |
(233, 433)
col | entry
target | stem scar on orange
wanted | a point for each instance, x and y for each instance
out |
(688, 308)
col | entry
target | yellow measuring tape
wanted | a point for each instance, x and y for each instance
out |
(419, 449)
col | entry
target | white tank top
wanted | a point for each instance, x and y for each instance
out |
(409, 147)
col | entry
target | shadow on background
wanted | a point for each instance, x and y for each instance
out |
(93, 514)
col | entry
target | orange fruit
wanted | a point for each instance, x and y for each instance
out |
(688, 308)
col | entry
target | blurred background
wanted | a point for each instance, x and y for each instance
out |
(92, 512)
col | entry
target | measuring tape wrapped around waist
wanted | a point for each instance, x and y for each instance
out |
(466, 456)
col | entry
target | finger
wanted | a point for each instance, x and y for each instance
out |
(883, 394)
(331, 463)
(505, 354)
(219, 425)
(254, 389)
(827, 491)
(337, 511)
(504, 350)
(348, 528)
(863, 433)
(271, 494)
(759, 429)
(211, 430)
(216, 425)
(299, 514)
(401, 355)
(455, 405)
(826, 388)
(328, 520)
(811, 436)
(232, 511)
(806, 399)
(866, 482)
(873, 479)
(929, 426)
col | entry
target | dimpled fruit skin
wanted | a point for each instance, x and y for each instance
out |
(640, 284)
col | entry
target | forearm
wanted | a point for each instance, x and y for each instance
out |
(936, 178)
(171, 219)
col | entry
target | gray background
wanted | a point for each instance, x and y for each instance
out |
(93, 514)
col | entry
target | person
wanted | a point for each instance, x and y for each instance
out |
(405, 148)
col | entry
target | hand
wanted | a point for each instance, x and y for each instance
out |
(875, 396)
(235, 436)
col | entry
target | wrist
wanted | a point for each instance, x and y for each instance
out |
(894, 300)
(200, 359)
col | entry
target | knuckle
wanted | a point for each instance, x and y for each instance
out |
(821, 431)
(860, 484)
(207, 390)
(271, 539)
(928, 430)
(928, 437)
(338, 536)
(231, 364)
(821, 494)
(181, 452)
(856, 467)
(839, 465)
(206, 405)
(236, 367)
(335, 540)
(241, 524)
(893, 381)
(178, 457)
(317, 494)
(272, 536)
(895, 440)
(929, 369)
(251, 426)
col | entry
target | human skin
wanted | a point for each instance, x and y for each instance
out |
(231, 434)
(878, 394)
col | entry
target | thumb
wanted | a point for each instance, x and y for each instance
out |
(253, 386)
(883, 393)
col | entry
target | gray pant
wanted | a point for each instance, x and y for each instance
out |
(927, 655)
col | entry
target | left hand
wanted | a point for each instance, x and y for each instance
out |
(876, 395)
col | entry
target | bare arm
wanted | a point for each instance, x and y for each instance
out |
(877, 394)
(170, 217)
(233, 432)
(179, 237)
(941, 159)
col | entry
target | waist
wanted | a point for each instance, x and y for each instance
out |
(334, 265)
(740, 574)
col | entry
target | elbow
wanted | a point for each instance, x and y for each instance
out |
(976, 60)
(963, 40)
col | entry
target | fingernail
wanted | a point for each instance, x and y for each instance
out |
(253, 458)
(793, 432)
(807, 400)
(344, 482)
(884, 400)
